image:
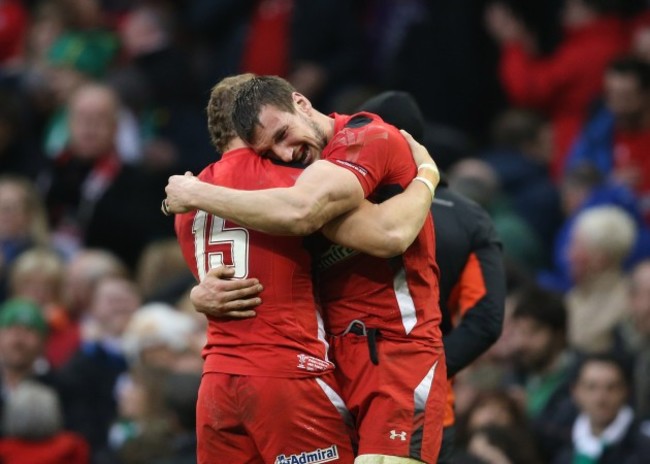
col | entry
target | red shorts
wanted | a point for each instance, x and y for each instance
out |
(251, 420)
(399, 403)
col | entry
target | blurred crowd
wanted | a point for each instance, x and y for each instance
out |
(538, 111)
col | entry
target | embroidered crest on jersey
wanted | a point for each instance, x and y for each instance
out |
(317, 456)
(312, 364)
(334, 254)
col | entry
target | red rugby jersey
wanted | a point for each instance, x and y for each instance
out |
(286, 338)
(398, 296)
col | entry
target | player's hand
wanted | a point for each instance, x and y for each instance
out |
(421, 156)
(218, 295)
(179, 192)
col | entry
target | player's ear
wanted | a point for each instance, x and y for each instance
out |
(302, 102)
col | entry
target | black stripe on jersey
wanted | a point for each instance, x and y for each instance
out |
(358, 121)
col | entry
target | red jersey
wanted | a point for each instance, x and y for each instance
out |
(393, 295)
(286, 338)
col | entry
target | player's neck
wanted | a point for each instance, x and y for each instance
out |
(235, 144)
(326, 123)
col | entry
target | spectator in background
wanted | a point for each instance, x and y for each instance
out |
(520, 154)
(583, 188)
(33, 427)
(23, 222)
(38, 275)
(13, 28)
(88, 380)
(491, 408)
(640, 46)
(81, 53)
(601, 239)
(502, 445)
(543, 366)
(169, 108)
(292, 39)
(477, 180)
(19, 151)
(93, 198)
(160, 337)
(634, 337)
(22, 338)
(162, 274)
(606, 431)
(616, 140)
(87, 168)
(564, 84)
(81, 275)
(162, 412)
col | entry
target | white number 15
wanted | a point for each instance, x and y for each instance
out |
(218, 245)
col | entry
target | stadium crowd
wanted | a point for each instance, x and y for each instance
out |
(537, 111)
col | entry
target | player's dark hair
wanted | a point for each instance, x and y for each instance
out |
(219, 110)
(543, 306)
(255, 94)
(632, 66)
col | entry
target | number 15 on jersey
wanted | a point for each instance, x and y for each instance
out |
(218, 245)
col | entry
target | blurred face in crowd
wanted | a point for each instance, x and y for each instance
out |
(93, 122)
(541, 147)
(641, 44)
(38, 286)
(480, 446)
(535, 345)
(20, 346)
(289, 137)
(640, 298)
(491, 412)
(600, 392)
(14, 214)
(142, 33)
(624, 97)
(114, 302)
(584, 260)
(576, 13)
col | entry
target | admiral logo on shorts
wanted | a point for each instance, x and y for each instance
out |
(310, 457)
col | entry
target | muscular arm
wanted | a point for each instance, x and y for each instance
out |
(387, 229)
(322, 192)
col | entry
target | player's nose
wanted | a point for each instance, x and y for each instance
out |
(285, 153)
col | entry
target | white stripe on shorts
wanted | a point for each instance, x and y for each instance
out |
(421, 393)
(337, 401)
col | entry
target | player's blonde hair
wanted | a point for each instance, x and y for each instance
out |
(219, 110)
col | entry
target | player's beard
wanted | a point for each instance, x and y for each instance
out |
(320, 139)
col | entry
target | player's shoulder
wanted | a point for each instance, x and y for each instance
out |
(367, 121)
(362, 129)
